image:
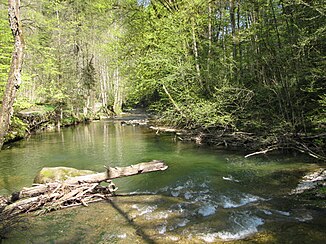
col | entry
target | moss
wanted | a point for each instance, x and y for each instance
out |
(58, 174)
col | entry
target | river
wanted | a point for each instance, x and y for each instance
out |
(206, 196)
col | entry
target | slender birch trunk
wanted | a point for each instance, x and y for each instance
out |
(209, 53)
(117, 106)
(195, 50)
(14, 78)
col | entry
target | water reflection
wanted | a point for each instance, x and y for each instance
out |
(85, 147)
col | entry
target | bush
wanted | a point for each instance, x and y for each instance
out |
(17, 130)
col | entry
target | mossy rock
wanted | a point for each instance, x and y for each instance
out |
(52, 174)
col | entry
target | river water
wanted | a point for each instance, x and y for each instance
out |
(206, 196)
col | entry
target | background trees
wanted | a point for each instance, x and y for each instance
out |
(71, 61)
(255, 66)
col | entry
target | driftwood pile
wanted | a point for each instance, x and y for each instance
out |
(74, 191)
(260, 145)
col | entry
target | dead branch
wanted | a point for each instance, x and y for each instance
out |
(166, 129)
(118, 172)
(290, 144)
(261, 152)
(74, 191)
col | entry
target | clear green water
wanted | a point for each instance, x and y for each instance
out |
(204, 196)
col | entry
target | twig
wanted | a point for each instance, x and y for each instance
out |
(261, 152)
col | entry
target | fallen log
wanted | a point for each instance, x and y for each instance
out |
(79, 190)
(119, 172)
(166, 129)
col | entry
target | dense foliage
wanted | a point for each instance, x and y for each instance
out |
(247, 65)
(256, 66)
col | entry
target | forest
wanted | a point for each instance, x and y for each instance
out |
(253, 68)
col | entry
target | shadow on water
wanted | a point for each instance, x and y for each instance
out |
(137, 228)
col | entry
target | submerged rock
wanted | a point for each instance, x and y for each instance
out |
(52, 174)
(312, 189)
(311, 181)
(207, 210)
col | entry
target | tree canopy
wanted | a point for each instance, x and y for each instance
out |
(255, 66)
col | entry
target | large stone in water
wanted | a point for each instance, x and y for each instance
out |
(52, 174)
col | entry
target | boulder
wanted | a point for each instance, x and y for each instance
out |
(52, 174)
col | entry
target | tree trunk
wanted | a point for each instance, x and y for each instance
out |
(209, 54)
(117, 106)
(232, 20)
(173, 102)
(196, 54)
(14, 78)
